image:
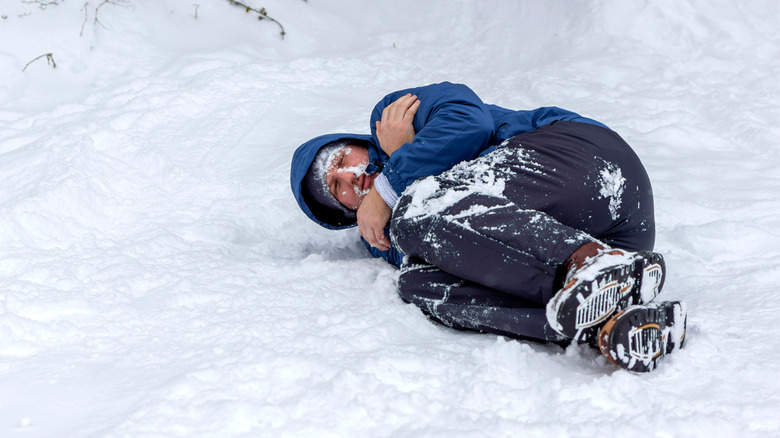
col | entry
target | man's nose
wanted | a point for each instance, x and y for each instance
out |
(348, 176)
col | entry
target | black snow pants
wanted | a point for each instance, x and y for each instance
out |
(486, 240)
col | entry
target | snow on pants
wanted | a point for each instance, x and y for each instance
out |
(486, 240)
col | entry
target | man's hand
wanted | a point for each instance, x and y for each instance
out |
(372, 216)
(395, 128)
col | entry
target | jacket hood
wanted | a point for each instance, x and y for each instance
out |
(301, 161)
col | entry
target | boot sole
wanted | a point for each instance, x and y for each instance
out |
(583, 305)
(638, 338)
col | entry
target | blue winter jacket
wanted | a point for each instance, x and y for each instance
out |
(452, 124)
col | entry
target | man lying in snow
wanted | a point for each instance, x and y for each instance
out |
(531, 224)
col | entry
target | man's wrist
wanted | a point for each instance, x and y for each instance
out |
(385, 190)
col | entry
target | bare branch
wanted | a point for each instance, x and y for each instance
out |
(49, 60)
(97, 21)
(85, 19)
(43, 4)
(262, 14)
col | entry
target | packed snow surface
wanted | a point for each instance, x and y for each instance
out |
(158, 279)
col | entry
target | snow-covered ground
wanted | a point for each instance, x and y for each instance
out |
(157, 278)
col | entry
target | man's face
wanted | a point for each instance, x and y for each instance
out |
(346, 176)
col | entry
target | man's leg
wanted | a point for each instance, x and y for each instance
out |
(463, 304)
(485, 239)
(507, 221)
(586, 177)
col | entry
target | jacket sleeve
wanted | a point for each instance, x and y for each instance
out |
(511, 123)
(392, 255)
(452, 124)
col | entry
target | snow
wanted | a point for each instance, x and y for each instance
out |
(157, 278)
(478, 176)
(612, 187)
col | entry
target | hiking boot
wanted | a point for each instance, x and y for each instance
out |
(603, 285)
(639, 337)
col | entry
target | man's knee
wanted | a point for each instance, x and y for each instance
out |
(407, 227)
(415, 275)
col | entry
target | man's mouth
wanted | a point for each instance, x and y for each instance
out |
(363, 185)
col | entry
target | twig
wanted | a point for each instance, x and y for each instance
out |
(262, 14)
(196, 9)
(85, 19)
(97, 21)
(43, 4)
(49, 60)
(98, 7)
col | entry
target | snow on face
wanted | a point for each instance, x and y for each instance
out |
(346, 176)
(324, 162)
(358, 171)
